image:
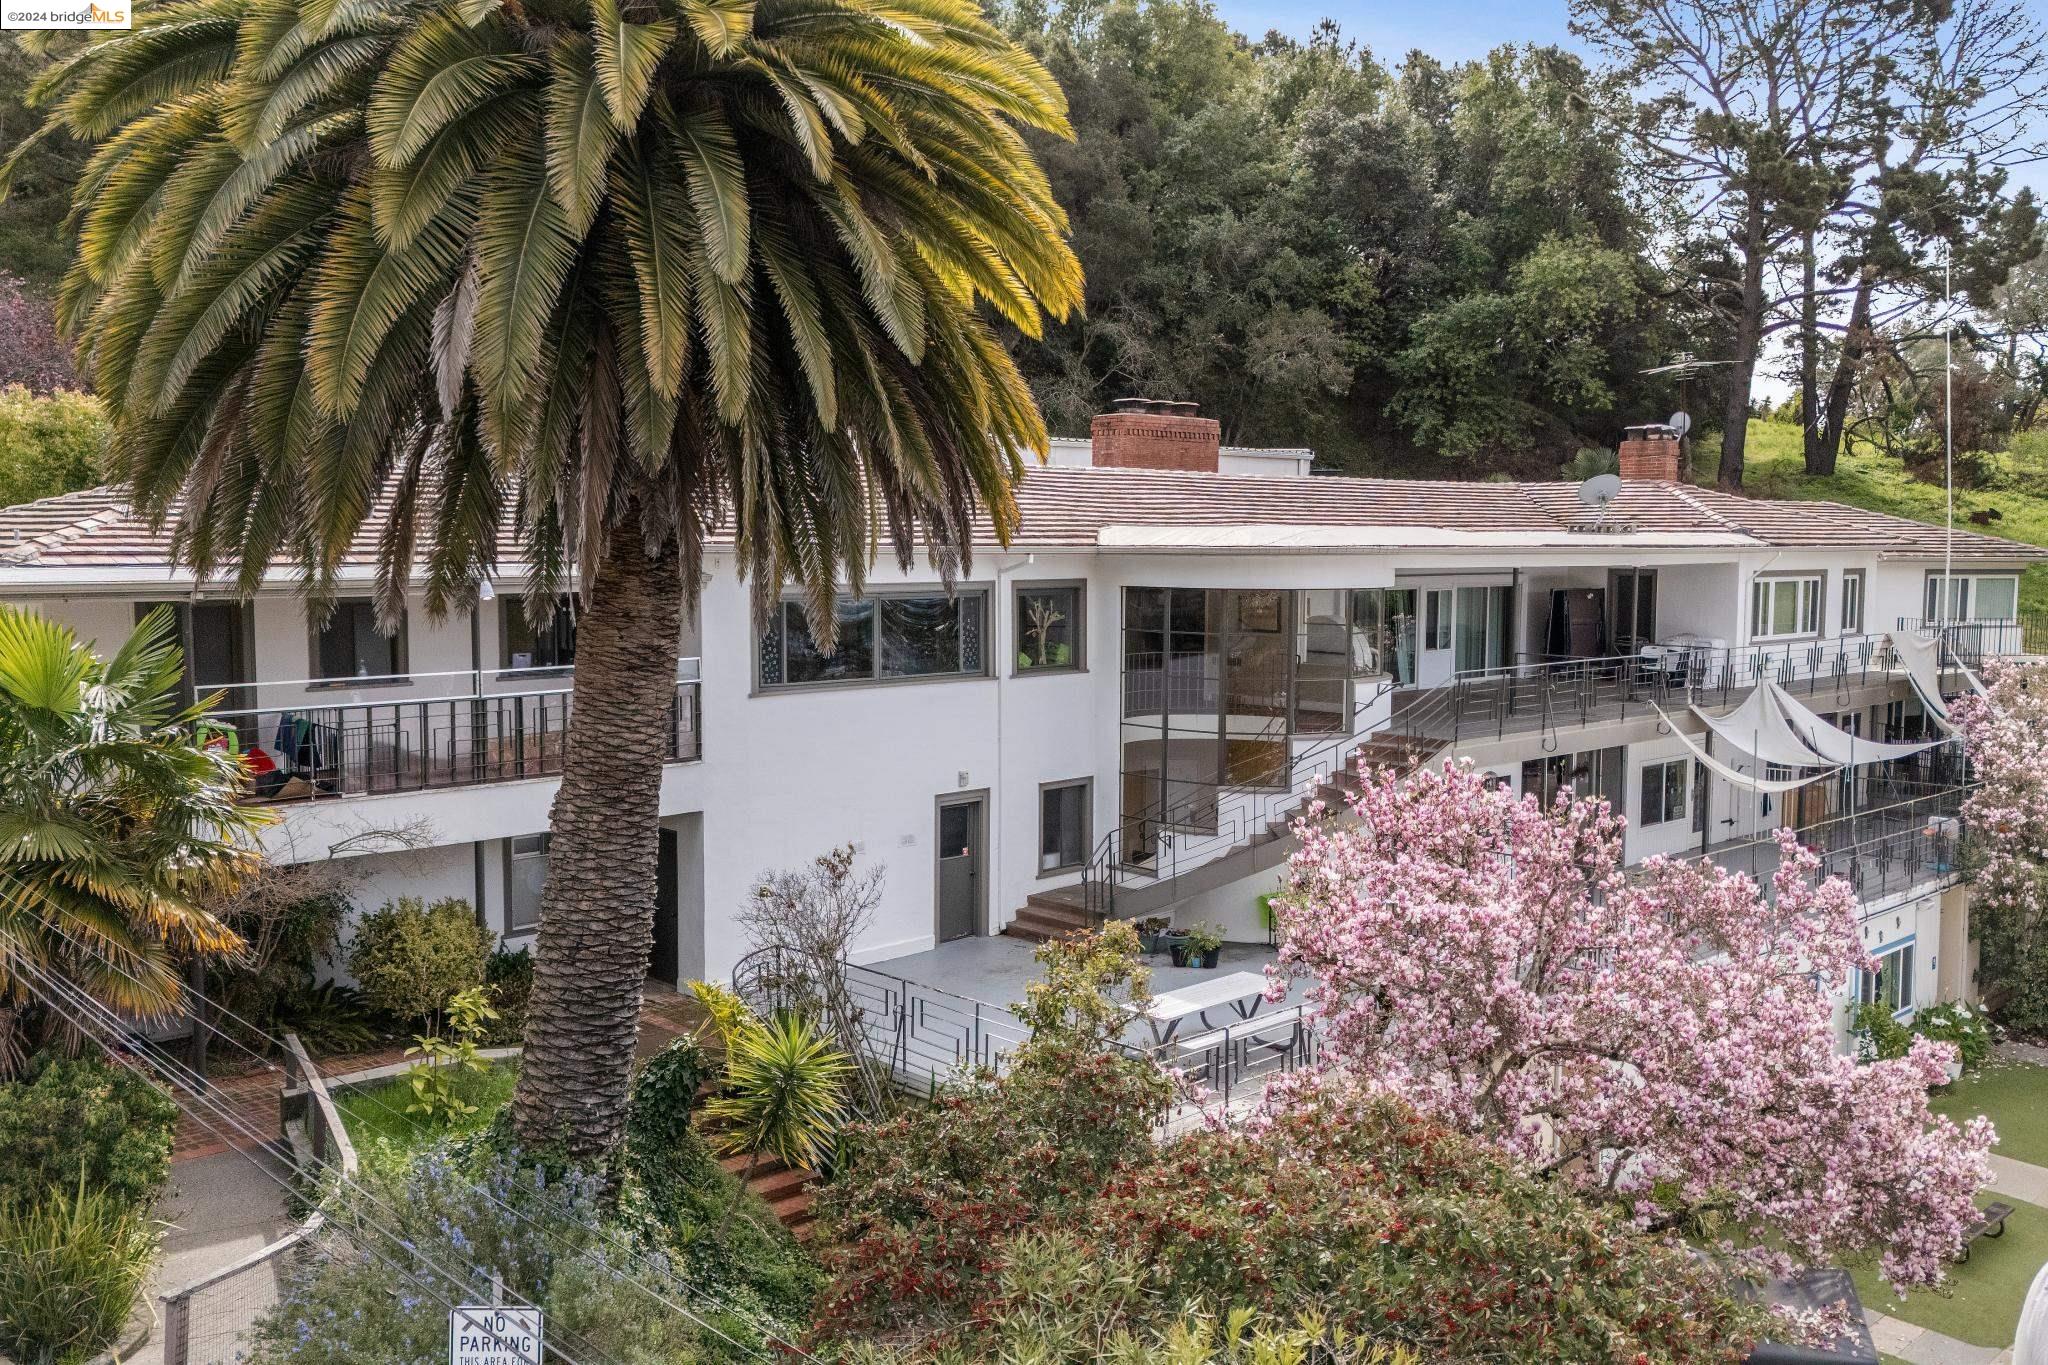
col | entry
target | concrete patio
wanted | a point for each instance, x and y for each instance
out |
(995, 969)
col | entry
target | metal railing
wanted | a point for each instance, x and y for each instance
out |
(1535, 697)
(2024, 636)
(1157, 846)
(312, 748)
(925, 1038)
(1914, 843)
(207, 1321)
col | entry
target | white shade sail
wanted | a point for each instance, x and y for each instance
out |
(1922, 660)
(1836, 745)
(1750, 782)
(1758, 728)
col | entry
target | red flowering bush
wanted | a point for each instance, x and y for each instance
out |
(917, 1219)
(1035, 1216)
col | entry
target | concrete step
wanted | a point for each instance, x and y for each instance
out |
(1036, 924)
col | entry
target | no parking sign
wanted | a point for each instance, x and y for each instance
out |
(494, 1336)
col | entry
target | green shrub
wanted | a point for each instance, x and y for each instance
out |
(331, 1019)
(68, 1113)
(1879, 1037)
(70, 1266)
(547, 1233)
(410, 958)
(1956, 1022)
(666, 1092)
(49, 444)
(685, 1199)
(508, 981)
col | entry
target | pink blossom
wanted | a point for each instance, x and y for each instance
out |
(1663, 1041)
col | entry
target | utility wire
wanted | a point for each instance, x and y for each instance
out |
(96, 1021)
(612, 1238)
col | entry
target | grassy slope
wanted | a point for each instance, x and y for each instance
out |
(1869, 480)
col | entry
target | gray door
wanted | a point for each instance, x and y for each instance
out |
(959, 869)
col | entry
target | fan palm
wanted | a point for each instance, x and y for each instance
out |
(615, 274)
(116, 824)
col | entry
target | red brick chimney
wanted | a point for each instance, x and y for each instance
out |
(1146, 433)
(1649, 454)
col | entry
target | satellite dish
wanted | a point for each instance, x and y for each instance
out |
(1600, 490)
(1681, 422)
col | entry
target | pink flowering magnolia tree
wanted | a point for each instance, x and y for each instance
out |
(1662, 1041)
(2006, 733)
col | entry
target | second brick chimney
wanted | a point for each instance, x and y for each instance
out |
(1146, 433)
(1649, 454)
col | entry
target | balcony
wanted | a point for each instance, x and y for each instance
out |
(369, 736)
(1550, 694)
(1912, 843)
(2023, 636)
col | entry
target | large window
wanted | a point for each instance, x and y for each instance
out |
(551, 646)
(351, 646)
(1483, 628)
(1664, 791)
(1972, 598)
(1063, 826)
(1383, 644)
(1784, 608)
(1050, 631)
(881, 638)
(526, 875)
(1891, 985)
(1589, 773)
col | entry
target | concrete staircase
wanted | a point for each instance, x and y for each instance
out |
(785, 1189)
(1057, 913)
(1051, 914)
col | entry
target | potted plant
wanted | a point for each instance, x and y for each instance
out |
(1200, 946)
(1153, 931)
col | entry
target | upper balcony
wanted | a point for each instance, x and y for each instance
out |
(1547, 694)
(319, 739)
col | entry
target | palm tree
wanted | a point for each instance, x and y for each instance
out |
(619, 274)
(117, 824)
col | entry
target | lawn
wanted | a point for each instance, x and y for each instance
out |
(2015, 1096)
(378, 1124)
(1980, 1303)
(1773, 468)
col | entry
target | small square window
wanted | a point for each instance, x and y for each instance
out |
(550, 645)
(1048, 627)
(350, 645)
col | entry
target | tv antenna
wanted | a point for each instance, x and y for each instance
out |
(1684, 367)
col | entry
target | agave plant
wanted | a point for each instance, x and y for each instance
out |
(118, 826)
(582, 279)
(784, 1094)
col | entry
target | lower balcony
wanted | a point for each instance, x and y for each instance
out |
(480, 728)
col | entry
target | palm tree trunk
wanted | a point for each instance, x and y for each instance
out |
(597, 909)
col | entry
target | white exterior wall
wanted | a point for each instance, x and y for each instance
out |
(786, 775)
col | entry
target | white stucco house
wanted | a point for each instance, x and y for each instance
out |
(1115, 713)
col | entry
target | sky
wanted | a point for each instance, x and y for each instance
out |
(1451, 30)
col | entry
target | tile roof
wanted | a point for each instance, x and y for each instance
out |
(1066, 506)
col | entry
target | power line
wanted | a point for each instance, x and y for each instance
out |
(95, 1020)
(612, 1238)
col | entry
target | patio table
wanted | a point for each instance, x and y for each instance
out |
(1243, 992)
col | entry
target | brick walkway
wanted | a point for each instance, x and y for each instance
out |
(252, 1097)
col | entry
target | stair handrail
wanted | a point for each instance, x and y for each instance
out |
(1107, 868)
